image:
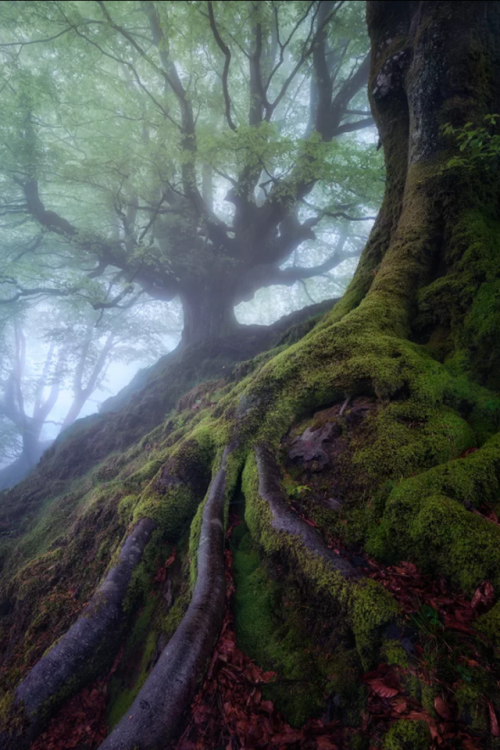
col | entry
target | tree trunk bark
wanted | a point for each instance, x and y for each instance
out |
(433, 63)
(208, 314)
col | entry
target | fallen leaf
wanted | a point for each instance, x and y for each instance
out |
(495, 729)
(170, 559)
(441, 708)
(323, 743)
(400, 706)
(380, 688)
(488, 594)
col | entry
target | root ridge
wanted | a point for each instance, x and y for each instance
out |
(154, 718)
(284, 519)
(55, 676)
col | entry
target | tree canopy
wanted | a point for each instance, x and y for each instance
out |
(184, 150)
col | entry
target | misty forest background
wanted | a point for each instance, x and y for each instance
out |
(100, 133)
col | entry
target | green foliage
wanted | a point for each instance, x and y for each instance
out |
(475, 144)
(99, 123)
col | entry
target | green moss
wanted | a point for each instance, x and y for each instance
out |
(471, 705)
(425, 519)
(233, 466)
(407, 735)
(371, 608)
(467, 300)
(126, 508)
(157, 550)
(421, 691)
(392, 652)
(171, 621)
(12, 716)
(489, 624)
(171, 510)
(142, 640)
(146, 472)
(367, 606)
(151, 629)
(406, 437)
(194, 540)
(275, 642)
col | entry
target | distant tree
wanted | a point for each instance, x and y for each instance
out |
(70, 351)
(188, 147)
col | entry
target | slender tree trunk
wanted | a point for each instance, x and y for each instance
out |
(74, 410)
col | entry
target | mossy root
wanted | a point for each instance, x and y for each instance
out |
(364, 604)
(285, 520)
(72, 660)
(154, 718)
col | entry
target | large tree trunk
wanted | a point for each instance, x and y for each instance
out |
(433, 63)
(383, 421)
(208, 313)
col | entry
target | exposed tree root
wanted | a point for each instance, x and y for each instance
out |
(154, 718)
(73, 659)
(285, 520)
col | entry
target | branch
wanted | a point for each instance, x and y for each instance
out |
(306, 290)
(227, 62)
(347, 91)
(111, 254)
(270, 274)
(169, 72)
(290, 37)
(42, 411)
(43, 378)
(116, 300)
(350, 127)
(126, 63)
(258, 98)
(35, 41)
(321, 83)
(307, 49)
(44, 291)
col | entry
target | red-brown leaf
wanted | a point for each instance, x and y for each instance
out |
(401, 706)
(267, 706)
(488, 593)
(441, 708)
(495, 729)
(380, 688)
(323, 743)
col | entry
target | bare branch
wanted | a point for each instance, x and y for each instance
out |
(35, 41)
(227, 62)
(350, 127)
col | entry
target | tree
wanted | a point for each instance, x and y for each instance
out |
(228, 123)
(380, 427)
(77, 348)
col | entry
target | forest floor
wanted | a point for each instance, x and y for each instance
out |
(286, 671)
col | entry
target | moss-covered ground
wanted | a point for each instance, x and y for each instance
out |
(411, 475)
